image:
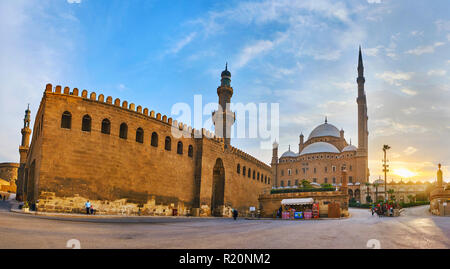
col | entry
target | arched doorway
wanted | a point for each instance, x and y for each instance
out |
(218, 189)
(358, 195)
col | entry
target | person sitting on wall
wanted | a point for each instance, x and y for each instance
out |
(88, 207)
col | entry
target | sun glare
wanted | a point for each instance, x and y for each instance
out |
(403, 172)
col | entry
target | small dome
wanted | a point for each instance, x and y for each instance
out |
(226, 73)
(349, 148)
(319, 147)
(289, 153)
(325, 129)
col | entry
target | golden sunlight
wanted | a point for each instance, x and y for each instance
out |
(404, 173)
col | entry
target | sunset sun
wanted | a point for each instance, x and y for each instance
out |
(403, 172)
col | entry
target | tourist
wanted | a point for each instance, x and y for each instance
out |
(373, 209)
(235, 214)
(91, 210)
(88, 206)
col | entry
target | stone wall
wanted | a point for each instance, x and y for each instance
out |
(8, 171)
(65, 167)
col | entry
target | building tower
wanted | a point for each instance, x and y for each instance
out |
(223, 117)
(274, 164)
(23, 151)
(363, 133)
(300, 145)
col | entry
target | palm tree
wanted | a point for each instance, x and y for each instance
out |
(376, 190)
(391, 192)
(368, 193)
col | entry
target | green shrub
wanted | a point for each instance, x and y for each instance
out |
(293, 190)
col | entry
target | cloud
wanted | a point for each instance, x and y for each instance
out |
(393, 78)
(437, 72)
(182, 43)
(408, 91)
(424, 49)
(410, 150)
(374, 1)
(74, 1)
(252, 51)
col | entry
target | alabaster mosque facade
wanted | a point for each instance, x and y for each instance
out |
(126, 159)
(323, 156)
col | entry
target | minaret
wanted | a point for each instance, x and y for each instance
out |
(223, 118)
(274, 164)
(362, 174)
(300, 145)
(26, 131)
(23, 151)
(362, 108)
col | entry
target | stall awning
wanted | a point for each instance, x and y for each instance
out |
(298, 201)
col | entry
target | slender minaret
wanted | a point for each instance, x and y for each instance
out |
(362, 109)
(300, 145)
(274, 164)
(223, 118)
(23, 151)
(362, 174)
(26, 131)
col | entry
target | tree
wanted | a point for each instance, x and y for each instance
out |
(326, 185)
(391, 192)
(410, 198)
(376, 190)
(305, 184)
(367, 191)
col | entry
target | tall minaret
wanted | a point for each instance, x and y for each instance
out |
(363, 132)
(23, 151)
(223, 118)
(274, 164)
(26, 131)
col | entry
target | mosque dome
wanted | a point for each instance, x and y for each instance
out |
(289, 153)
(226, 73)
(319, 147)
(349, 148)
(325, 129)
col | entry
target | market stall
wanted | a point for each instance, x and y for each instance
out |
(299, 208)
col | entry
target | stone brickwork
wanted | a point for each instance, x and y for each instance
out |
(8, 171)
(67, 166)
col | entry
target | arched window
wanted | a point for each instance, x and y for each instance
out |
(106, 126)
(167, 144)
(154, 139)
(180, 147)
(282, 183)
(238, 169)
(257, 177)
(86, 123)
(268, 180)
(123, 131)
(265, 180)
(243, 171)
(140, 135)
(249, 172)
(191, 151)
(66, 120)
(254, 174)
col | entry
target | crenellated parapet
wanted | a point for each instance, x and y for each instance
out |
(184, 129)
(248, 157)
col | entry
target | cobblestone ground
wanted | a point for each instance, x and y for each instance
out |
(415, 229)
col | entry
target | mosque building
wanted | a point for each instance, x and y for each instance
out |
(326, 153)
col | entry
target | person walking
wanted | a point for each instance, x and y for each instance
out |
(235, 214)
(88, 207)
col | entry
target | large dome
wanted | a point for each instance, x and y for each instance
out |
(289, 153)
(325, 129)
(350, 148)
(319, 147)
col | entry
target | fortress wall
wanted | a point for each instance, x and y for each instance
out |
(8, 171)
(105, 167)
(240, 192)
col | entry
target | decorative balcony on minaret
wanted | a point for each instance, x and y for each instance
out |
(223, 117)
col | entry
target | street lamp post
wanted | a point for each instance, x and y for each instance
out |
(385, 169)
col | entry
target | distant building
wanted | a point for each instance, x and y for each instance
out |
(321, 158)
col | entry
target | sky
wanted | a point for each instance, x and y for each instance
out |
(300, 54)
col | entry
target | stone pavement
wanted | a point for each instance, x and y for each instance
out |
(416, 229)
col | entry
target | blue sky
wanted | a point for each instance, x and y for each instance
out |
(301, 54)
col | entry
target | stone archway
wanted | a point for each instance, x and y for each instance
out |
(218, 189)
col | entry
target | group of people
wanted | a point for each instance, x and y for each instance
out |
(89, 208)
(383, 209)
